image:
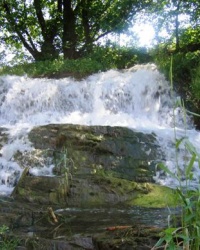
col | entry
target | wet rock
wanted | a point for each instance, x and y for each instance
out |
(76, 243)
(3, 136)
(100, 173)
(42, 189)
(132, 238)
(93, 166)
(129, 154)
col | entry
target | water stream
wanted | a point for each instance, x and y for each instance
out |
(139, 98)
(100, 219)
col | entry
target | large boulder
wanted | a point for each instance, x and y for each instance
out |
(101, 194)
(93, 166)
(128, 154)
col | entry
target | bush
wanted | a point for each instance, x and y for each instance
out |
(186, 235)
(101, 59)
(195, 86)
(119, 57)
(186, 74)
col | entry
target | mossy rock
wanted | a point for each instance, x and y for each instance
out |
(127, 238)
(108, 166)
(42, 189)
(137, 194)
(131, 154)
(157, 197)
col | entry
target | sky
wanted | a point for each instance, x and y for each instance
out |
(145, 34)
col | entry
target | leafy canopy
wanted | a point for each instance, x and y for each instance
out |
(48, 28)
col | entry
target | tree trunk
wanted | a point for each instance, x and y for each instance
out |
(177, 26)
(69, 31)
(86, 27)
(49, 31)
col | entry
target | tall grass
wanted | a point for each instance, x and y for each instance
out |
(187, 234)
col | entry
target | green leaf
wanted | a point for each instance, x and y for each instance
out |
(182, 236)
(190, 166)
(193, 113)
(159, 243)
(170, 230)
(179, 141)
(166, 170)
(191, 148)
(189, 217)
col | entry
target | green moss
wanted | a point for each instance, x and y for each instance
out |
(120, 185)
(137, 194)
(93, 137)
(106, 178)
(159, 196)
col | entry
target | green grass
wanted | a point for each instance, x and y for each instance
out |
(101, 59)
(54, 69)
(6, 242)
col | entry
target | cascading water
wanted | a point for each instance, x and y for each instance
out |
(138, 98)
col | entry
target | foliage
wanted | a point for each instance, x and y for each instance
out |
(185, 66)
(187, 235)
(47, 29)
(184, 63)
(103, 58)
(195, 86)
(3, 230)
(5, 241)
(57, 68)
(173, 17)
(119, 57)
(190, 39)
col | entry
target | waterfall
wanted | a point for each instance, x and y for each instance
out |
(138, 98)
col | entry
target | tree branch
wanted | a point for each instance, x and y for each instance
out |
(40, 17)
(33, 49)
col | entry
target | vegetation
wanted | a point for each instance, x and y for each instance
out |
(5, 241)
(187, 234)
(186, 67)
(62, 38)
(173, 17)
(101, 59)
(180, 20)
(47, 29)
(67, 36)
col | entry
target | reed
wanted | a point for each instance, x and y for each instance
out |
(186, 235)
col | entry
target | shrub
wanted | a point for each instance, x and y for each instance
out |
(187, 234)
(101, 59)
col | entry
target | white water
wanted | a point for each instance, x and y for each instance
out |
(138, 98)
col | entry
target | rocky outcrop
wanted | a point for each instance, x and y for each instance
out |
(129, 154)
(93, 166)
(101, 165)
(101, 176)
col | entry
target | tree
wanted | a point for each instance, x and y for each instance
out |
(176, 16)
(48, 28)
